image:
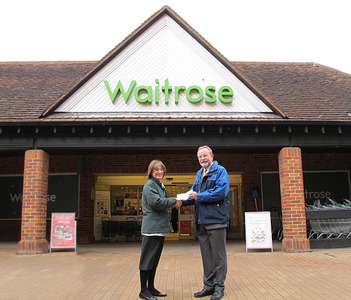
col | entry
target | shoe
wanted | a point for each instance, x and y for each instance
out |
(147, 296)
(157, 293)
(217, 295)
(203, 293)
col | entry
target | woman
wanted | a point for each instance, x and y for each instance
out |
(155, 227)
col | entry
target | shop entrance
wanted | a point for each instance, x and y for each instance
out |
(182, 219)
(122, 197)
(236, 215)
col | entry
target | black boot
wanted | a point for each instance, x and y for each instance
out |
(151, 284)
(144, 292)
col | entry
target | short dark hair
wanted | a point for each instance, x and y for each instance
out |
(154, 164)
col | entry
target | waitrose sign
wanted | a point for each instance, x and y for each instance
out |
(62, 196)
(147, 94)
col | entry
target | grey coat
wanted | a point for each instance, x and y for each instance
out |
(155, 206)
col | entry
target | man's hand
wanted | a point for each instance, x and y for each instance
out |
(193, 195)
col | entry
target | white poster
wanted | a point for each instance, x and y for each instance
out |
(258, 231)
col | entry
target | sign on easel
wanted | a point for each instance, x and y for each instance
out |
(63, 231)
(258, 231)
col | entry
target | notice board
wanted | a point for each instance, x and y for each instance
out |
(63, 231)
(258, 231)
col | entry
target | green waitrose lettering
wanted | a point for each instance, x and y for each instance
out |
(194, 93)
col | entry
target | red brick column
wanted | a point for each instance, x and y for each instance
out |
(293, 201)
(34, 203)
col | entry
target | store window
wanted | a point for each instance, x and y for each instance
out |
(126, 200)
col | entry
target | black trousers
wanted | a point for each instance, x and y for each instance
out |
(214, 256)
(151, 249)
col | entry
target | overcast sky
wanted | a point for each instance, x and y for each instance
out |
(246, 30)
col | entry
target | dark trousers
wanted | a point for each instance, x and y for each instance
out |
(214, 256)
(175, 225)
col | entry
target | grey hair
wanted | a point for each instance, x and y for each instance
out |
(205, 147)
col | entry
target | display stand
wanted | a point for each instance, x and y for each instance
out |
(63, 231)
(258, 231)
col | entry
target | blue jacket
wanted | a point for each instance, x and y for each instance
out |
(212, 204)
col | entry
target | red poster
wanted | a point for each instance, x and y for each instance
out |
(63, 230)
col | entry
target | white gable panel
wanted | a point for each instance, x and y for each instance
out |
(164, 51)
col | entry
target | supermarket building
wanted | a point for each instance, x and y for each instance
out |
(78, 136)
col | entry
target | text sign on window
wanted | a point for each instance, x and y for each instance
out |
(62, 195)
(318, 185)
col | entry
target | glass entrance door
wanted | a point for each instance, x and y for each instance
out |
(186, 217)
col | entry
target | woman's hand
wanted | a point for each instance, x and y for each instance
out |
(179, 203)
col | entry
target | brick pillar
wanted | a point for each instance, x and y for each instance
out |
(34, 203)
(293, 201)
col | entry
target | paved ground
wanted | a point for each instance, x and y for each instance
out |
(110, 271)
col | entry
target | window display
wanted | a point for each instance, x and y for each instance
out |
(126, 200)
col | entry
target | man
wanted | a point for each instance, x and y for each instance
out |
(210, 196)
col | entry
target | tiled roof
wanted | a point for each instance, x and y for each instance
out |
(298, 91)
(28, 88)
(303, 91)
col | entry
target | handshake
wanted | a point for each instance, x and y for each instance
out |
(181, 197)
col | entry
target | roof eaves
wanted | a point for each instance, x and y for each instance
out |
(225, 62)
(106, 59)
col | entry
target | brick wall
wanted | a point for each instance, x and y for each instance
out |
(250, 164)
